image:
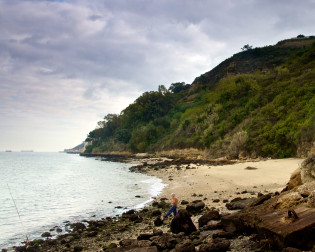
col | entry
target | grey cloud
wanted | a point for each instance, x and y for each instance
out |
(97, 56)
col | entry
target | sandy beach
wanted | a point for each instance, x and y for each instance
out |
(225, 182)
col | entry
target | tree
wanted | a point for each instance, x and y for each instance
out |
(178, 86)
(162, 89)
(246, 47)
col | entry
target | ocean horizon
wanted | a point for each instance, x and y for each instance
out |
(42, 191)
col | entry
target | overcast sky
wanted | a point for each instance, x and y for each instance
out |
(64, 65)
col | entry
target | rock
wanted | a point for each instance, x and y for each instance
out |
(133, 249)
(135, 217)
(134, 243)
(223, 234)
(195, 207)
(308, 169)
(77, 227)
(204, 219)
(144, 236)
(182, 223)
(187, 246)
(311, 200)
(306, 189)
(215, 200)
(212, 226)
(261, 200)
(46, 234)
(240, 204)
(77, 249)
(158, 222)
(280, 229)
(157, 232)
(184, 202)
(217, 245)
(156, 213)
(165, 241)
(289, 249)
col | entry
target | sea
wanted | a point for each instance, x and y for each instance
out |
(40, 192)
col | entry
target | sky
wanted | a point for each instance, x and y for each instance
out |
(64, 65)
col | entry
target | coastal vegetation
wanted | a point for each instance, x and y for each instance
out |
(259, 102)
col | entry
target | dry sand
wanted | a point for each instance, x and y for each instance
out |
(226, 182)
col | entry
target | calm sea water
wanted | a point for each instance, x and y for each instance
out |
(51, 188)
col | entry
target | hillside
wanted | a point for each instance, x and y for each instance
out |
(259, 102)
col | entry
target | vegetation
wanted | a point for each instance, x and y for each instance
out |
(259, 102)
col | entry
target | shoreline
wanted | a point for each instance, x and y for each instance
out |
(190, 181)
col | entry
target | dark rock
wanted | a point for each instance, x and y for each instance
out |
(157, 232)
(204, 219)
(77, 249)
(131, 211)
(251, 168)
(135, 217)
(212, 226)
(223, 234)
(144, 236)
(215, 200)
(217, 245)
(156, 213)
(134, 243)
(158, 222)
(182, 223)
(138, 196)
(165, 241)
(225, 201)
(195, 207)
(260, 200)
(240, 204)
(187, 246)
(184, 202)
(78, 227)
(133, 249)
(92, 234)
(289, 249)
(59, 230)
(118, 207)
(46, 234)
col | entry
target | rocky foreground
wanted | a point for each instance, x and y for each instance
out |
(278, 221)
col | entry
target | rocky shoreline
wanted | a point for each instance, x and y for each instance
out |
(241, 223)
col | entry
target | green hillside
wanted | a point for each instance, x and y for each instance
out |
(258, 102)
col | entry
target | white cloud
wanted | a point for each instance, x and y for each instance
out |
(66, 64)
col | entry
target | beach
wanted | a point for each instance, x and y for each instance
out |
(214, 183)
(224, 182)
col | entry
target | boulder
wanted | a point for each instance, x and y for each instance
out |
(134, 243)
(133, 249)
(165, 241)
(182, 223)
(187, 246)
(295, 179)
(144, 236)
(239, 204)
(217, 245)
(204, 219)
(195, 207)
(156, 213)
(158, 222)
(308, 169)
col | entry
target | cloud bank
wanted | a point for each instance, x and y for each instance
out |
(65, 64)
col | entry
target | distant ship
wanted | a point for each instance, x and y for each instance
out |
(8, 151)
(27, 151)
